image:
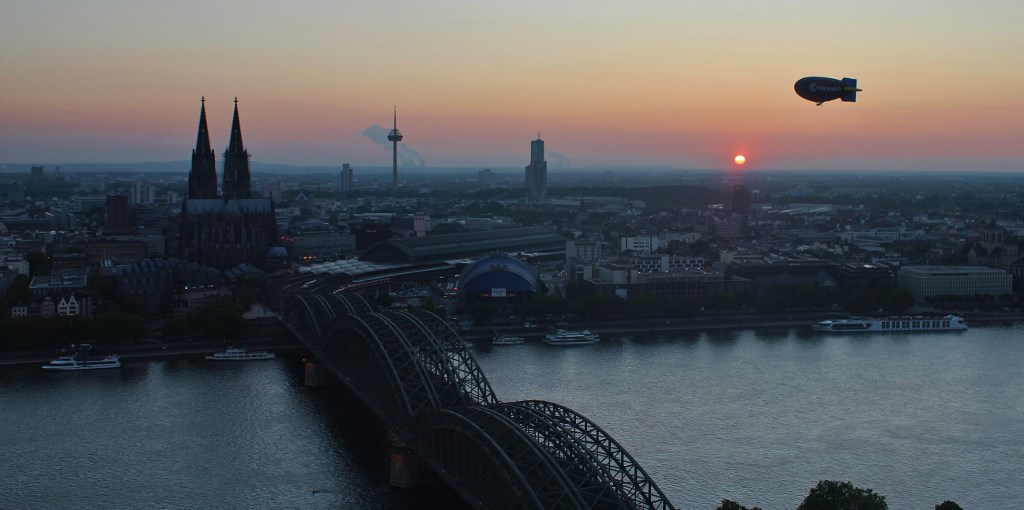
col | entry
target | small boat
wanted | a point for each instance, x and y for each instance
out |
(508, 340)
(905, 323)
(82, 361)
(239, 354)
(566, 337)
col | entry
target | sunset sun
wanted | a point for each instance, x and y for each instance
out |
(740, 159)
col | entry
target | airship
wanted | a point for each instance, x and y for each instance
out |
(819, 90)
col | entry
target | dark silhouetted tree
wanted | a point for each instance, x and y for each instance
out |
(481, 313)
(728, 504)
(948, 505)
(832, 495)
(898, 300)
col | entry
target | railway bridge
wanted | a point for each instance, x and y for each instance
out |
(415, 373)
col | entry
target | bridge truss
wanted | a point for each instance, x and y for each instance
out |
(415, 372)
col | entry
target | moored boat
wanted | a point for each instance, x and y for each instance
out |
(240, 354)
(566, 337)
(898, 324)
(82, 361)
(507, 340)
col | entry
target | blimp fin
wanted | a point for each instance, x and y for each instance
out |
(850, 87)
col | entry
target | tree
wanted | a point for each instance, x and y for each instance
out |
(898, 300)
(728, 504)
(18, 291)
(832, 495)
(862, 300)
(38, 263)
(481, 313)
(948, 505)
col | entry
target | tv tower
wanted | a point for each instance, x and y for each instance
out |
(394, 137)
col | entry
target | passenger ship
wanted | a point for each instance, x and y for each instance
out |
(82, 361)
(906, 323)
(564, 337)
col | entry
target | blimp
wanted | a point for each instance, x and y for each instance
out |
(819, 90)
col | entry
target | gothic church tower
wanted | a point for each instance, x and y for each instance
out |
(236, 164)
(202, 178)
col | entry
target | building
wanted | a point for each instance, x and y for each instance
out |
(816, 273)
(538, 241)
(537, 173)
(929, 281)
(56, 286)
(662, 263)
(223, 231)
(346, 178)
(583, 251)
(638, 244)
(420, 224)
(626, 282)
(68, 306)
(855, 276)
(119, 216)
(498, 279)
(740, 200)
(485, 178)
(142, 193)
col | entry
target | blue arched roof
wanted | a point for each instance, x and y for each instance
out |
(498, 271)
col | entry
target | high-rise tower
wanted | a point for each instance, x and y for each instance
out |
(394, 137)
(202, 178)
(236, 164)
(536, 173)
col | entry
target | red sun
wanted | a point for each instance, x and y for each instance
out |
(740, 159)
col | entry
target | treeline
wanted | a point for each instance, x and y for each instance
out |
(108, 328)
(581, 301)
(832, 495)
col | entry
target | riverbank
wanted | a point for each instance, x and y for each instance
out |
(154, 350)
(282, 341)
(704, 323)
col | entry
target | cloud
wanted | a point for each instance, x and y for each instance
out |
(557, 159)
(407, 156)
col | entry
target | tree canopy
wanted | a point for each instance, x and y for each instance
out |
(832, 495)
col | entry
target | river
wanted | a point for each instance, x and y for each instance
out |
(754, 416)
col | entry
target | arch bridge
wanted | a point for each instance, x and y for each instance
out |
(416, 374)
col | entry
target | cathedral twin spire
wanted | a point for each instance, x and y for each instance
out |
(202, 179)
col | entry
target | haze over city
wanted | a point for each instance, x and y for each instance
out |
(667, 84)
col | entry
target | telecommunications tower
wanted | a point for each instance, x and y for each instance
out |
(394, 136)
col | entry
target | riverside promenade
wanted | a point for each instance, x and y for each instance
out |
(269, 337)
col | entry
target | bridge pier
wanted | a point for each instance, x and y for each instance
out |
(407, 469)
(317, 374)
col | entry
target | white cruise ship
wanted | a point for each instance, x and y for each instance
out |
(565, 337)
(905, 323)
(82, 361)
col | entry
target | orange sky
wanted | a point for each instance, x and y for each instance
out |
(605, 83)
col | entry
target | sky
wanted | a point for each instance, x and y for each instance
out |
(605, 84)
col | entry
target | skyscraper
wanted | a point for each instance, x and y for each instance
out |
(237, 180)
(536, 173)
(394, 137)
(346, 178)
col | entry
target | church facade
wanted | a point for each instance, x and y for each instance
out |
(223, 230)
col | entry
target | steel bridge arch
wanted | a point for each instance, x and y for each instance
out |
(397, 358)
(419, 377)
(618, 469)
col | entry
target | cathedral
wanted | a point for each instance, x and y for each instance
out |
(231, 228)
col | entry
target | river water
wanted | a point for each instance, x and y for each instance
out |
(754, 416)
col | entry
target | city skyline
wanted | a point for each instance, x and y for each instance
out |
(606, 85)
